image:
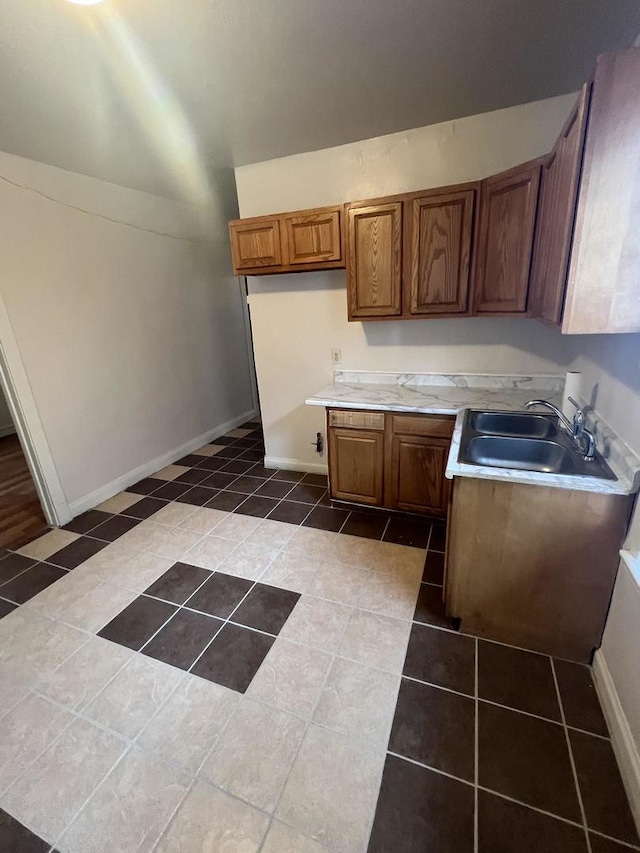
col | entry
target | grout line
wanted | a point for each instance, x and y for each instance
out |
(476, 751)
(571, 758)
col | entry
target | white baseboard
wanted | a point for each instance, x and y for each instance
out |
(121, 483)
(7, 430)
(624, 745)
(296, 465)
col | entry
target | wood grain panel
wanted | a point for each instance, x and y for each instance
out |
(438, 426)
(356, 419)
(534, 566)
(439, 244)
(21, 515)
(313, 236)
(560, 181)
(374, 260)
(356, 459)
(255, 243)
(508, 205)
(415, 467)
(602, 288)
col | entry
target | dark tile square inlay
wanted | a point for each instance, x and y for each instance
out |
(212, 463)
(178, 583)
(116, 526)
(316, 480)
(289, 476)
(274, 488)
(420, 811)
(405, 531)
(603, 795)
(253, 455)
(219, 480)
(16, 838)
(87, 521)
(171, 491)
(579, 698)
(369, 525)
(604, 845)
(442, 658)
(518, 679)
(433, 568)
(266, 608)
(12, 565)
(138, 622)
(504, 827)
(30, 583)
(220, 595)
(146, 486)
(430, 607)
(237, 467)
(145, 508)
(257, 506)
(190, 460)
(306, 494)
(438, 538)
(260, 471)
(79, 551)
(526, 759)
(197, 496)
(234, 657)
(6, 608)
(290, 512)
(183, 638)
(247, 485)
(435, 727)
(226, 501)
(193, 476)
(325, 518)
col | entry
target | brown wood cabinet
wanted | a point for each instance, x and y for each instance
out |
(391, 460)
(288, 242)
(560, 180)
(374, 259)
(506, 230)
(438, 237)
(533, 566)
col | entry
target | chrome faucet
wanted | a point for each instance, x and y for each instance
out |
(583, 438)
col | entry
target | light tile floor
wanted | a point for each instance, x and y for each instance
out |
(359, 718)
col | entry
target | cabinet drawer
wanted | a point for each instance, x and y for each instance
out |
(438, 426)
(356, 420)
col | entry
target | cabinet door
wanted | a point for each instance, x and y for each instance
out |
(439, 248)
(255, 244)
(415, 474)
(374, 260)
(313, 237)
(560, 181)
(508, 204)
(356, 458)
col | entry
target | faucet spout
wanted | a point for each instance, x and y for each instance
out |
(583, 438)
(564, 420)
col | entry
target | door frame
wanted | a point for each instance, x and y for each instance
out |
(15, 385)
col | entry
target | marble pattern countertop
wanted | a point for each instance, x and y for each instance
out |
(450, 394)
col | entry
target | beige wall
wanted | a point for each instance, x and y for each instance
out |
(133, 343)
(298, 319)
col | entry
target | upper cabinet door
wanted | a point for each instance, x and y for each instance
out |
(313, 237)
(374, 260)
(255, 243)
(508, 205)
(560, 181)
(439, 232)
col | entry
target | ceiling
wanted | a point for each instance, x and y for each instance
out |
(163, 95)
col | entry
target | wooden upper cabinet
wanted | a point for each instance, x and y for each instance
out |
(255, 243)
(288, 242)
(374, 259)
(313, 237)
(603, 290)
(439, 230)
(560, 181)
(507, 219)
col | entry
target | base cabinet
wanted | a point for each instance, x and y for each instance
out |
(390, 460)
(533, 566)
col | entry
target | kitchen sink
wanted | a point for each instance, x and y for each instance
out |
(513, 423)
(525, 442)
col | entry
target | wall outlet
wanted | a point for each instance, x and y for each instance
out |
(336, 356)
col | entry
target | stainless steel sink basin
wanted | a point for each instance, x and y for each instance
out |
(526, 425)
(525, 442)
(528, 454)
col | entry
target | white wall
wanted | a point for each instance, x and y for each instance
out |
(298, 319)
(133, 343)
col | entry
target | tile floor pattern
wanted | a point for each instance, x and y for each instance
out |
(209, 665)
